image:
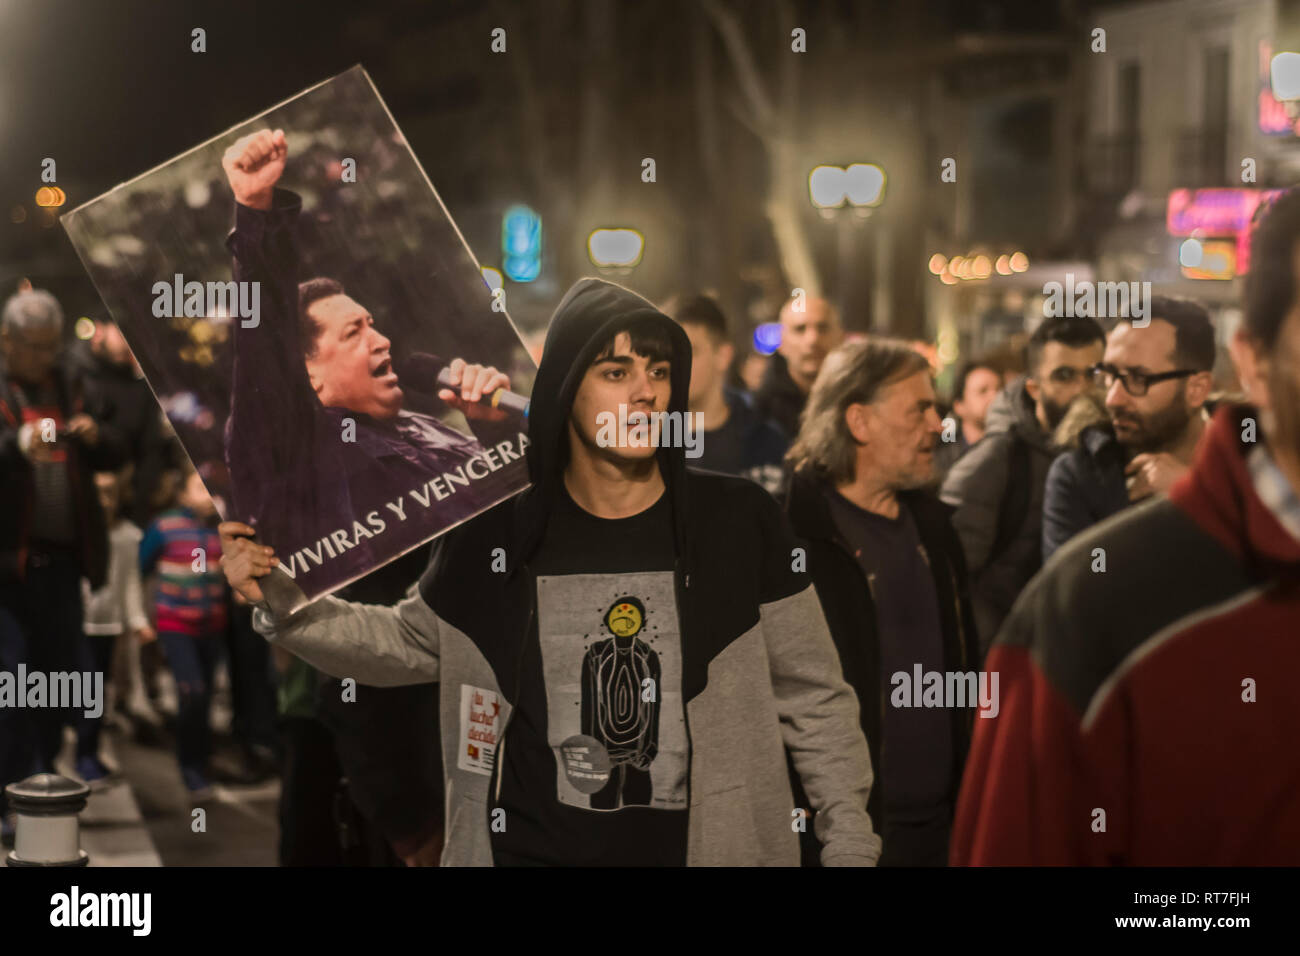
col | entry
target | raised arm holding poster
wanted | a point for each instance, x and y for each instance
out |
(308, 391)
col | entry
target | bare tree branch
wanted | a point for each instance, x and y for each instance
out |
(742, 60)
(737, 109)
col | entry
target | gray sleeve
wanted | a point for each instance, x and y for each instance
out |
(820, 727)
(373, 644)
(975, 487)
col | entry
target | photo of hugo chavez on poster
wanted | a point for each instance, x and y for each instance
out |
(334, 364)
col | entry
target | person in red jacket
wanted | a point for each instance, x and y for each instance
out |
(1147, 710)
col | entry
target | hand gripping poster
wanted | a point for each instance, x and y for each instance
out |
(318, 333)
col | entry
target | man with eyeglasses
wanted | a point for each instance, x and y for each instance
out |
(997, 486)
(52, 528)
(1156, 380)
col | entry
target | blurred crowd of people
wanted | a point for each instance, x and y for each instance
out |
(110, 563)
(948, 537)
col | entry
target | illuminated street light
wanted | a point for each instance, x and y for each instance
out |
(864, 184)
(827, 186)
(1285, 71)
(982, 267)
(615, 248)
(861, 185)
(1019, 262)
(1003, 265)
(1191, 253)
(938, 264)
(50, 196)
(521, 244)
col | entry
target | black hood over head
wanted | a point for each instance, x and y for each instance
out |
(591, 313)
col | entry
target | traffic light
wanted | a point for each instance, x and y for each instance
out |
(521, 244)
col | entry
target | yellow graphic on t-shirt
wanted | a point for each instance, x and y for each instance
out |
(625, 618)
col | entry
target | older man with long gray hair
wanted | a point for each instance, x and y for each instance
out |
(889, 571)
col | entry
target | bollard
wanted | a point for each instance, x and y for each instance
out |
(47, 832)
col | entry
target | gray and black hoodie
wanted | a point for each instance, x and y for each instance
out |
(759, 674)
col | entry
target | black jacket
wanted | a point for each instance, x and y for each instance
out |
(758, 452)
(394, 775)
(846, 600)
(1084, 486)
(779, 398)
(18, 488)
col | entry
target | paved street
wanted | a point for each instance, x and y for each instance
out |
(146, 820)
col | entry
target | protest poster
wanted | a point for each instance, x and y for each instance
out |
(301, 340)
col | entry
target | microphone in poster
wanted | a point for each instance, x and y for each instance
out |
(428, 373)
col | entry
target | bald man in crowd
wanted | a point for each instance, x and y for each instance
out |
(810, 330)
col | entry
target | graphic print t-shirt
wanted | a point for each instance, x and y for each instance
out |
(594, 768)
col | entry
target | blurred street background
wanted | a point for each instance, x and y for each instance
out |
(925, 166)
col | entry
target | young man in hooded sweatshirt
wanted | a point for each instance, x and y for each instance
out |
(623, 650)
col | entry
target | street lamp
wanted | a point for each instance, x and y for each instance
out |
(521, 244)
(615, 250)
(1285, 76)
(864, 184)
(860, 187)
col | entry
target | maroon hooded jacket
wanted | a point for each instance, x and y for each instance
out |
(1148, 713)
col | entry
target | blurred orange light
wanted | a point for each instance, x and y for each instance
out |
(982, 268)
(50, 196)
(938, 263)
(1003, 265)
(1019, 262)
